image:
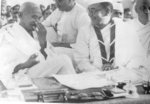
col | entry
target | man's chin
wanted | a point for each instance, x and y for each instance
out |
(143, 20)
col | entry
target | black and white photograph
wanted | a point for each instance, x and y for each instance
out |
(75, 51)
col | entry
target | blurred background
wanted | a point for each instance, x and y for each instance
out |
(9, 9)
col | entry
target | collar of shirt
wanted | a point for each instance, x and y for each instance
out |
(106, 37)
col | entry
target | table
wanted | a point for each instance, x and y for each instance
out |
(43, 83)
(144, 99)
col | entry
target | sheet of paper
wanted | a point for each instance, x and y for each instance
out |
(101, 79)
(84, 81)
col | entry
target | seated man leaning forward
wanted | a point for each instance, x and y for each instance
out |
(108, 43)
(24, 46)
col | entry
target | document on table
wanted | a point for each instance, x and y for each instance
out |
(101, 79)
(84, 81)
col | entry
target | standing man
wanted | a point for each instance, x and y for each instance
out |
(21, 49)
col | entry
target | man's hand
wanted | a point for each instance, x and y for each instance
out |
(108, 67)
(28, 64)
(41, 34)
(17, 68)
(31, 61)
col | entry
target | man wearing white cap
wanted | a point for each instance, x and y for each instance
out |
(106, 44)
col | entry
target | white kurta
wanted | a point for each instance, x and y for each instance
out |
(88, 55)
(143, 34)
(68, 23)
(16, 46)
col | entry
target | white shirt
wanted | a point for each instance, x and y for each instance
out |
(68, 23)
(143, 33)
(128, 50)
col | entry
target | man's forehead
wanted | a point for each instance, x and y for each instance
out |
(95, 6)
(29, 6)
(141, 2)
(36, 9)
(37, 13)
(60, 0)
(32, 10)
(148, 2)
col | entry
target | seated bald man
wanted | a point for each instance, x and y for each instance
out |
(24, 46)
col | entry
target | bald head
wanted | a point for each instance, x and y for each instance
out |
(29, 14)
(29, 7)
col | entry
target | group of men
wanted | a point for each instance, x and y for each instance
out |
(9, 15)
(89, 38)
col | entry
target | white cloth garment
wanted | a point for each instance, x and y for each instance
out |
(16, 46)
(128, 51)
(143, 34)
(68, 23)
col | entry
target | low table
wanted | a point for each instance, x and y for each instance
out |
(43, 84)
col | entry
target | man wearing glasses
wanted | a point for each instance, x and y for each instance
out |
(108, 43)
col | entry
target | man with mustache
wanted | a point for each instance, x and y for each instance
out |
(108, 43)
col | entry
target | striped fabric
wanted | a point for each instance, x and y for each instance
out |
(104, 58)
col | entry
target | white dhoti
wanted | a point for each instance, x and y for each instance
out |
(60, 64)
